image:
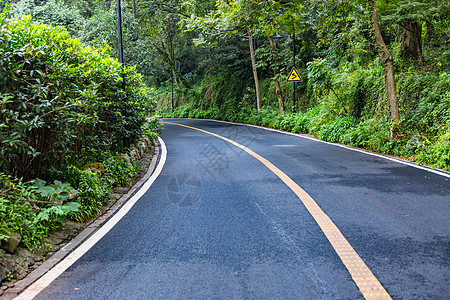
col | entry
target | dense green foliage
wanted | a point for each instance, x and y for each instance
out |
(63, 114)
(60, 98)
(342, 97)
(34, 209)
(204, 47)
(52, 12)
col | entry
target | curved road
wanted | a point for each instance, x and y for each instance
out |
(218, 224)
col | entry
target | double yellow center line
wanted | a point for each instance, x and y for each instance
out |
(367, 283)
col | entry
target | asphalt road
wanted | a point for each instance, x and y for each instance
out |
(218, 224)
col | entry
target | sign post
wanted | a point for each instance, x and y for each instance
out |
(294, 77)
(126, 138)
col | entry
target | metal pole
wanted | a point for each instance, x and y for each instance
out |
(293, 61)
(255, 46)
(126, 138)
(119, 29)
(172, 90)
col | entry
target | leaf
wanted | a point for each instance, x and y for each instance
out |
(63, 196)
(70, 207)
(46, 190)
(38, 182)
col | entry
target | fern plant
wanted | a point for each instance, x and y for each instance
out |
(93, 193)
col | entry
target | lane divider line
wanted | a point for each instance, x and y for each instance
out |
(43, 282)
(367, 283)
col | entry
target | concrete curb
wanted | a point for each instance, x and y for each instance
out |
(21, 285)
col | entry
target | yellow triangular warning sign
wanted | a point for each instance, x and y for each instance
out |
(293, 76)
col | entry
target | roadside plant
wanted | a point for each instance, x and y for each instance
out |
(120, 171)
(56, 194)
(93, 192)
(152, 124)
(333, 131)
(436, 153)
(33, 209)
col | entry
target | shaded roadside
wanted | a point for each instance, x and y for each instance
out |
(27, 266)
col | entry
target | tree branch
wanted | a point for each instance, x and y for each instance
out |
(59, 108)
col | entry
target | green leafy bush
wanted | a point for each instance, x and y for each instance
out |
(120, 171)
(34, 209)
(425, 102)
(288, 122)
(60, 98)
(93, 192)
(333, 131)
(57, 194)
(152, 124)
(301, 123)
(255, 118)
(182, 111)
(212, 113)
(267, 116)
(370, 134)
(58, 213)
(18, 211)
(436, 153)
(56, 13)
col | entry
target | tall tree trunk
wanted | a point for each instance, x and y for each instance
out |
(133, 2)
(275, 73)
(255, 72)
(389, 75)
(412, 40)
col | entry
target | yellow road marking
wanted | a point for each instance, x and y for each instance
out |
(367, 283)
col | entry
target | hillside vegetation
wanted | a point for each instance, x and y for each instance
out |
(375, 74)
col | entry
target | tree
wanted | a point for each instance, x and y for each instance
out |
(410, 18)
(159, 22)
(278, 90)
(53, 12)
(254, 69)
(231, 18)
(389, 74)
(254, 17)
(347, 24)
(101, 28)
(59, 98)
